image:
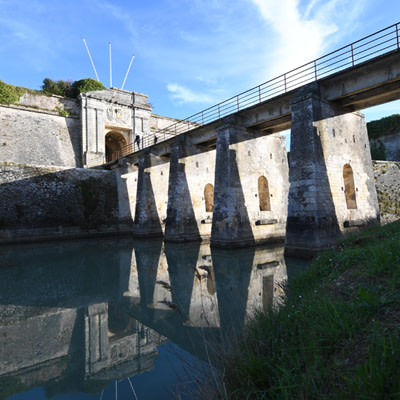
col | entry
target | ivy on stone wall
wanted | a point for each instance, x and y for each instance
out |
(10, 94)
(384, 126)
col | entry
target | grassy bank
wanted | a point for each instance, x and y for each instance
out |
(337, 335)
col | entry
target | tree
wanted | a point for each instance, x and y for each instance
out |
(69, 88)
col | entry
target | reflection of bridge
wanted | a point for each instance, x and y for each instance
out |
(172, 290)
(229, 181)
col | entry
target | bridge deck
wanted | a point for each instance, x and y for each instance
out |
(363, 74)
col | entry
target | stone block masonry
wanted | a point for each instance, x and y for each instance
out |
(387, 178)
(332, 189)
(35, 132)
(38, 203)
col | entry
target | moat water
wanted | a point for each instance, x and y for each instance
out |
(124, 318)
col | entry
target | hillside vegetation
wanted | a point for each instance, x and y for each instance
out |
(384, 126)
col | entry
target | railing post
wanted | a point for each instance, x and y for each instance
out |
(237, 99)
(352, 55)
(259, 93)
(284, 80)
(315, 70)
(397, 36)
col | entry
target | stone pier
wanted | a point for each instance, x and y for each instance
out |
(190, 191)
(332, 189)
(251, 186)
(151, 199)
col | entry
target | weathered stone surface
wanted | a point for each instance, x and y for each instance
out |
(37, 137)
(327, 141)
(387, 178)
(192, 168)
(152, 195)
(38, 203)
(242, 158)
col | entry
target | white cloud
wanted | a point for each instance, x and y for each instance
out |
(302, 36)
(185, 95)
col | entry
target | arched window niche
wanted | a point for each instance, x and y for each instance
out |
(349, 187)
(209, 197)
(263, 194)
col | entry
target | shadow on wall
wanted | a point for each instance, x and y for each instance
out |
(67, 202)
(231, 223)
(76, 140)
(181, 221)
(312, 221)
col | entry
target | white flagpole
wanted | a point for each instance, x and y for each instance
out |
(84, 41)
(127, 72)
(110, 66)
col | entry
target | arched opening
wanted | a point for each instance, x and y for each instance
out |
(263, 194)
(114, 143)
(209, 197)
(349, 188)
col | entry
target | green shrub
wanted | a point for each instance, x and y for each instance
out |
(10, 94)
(87, 85)
(69, 88)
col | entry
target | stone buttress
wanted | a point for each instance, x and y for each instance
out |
(331, 177)
(151, 199)
(190, 191)
(251, 186)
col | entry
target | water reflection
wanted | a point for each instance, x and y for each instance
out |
(75, 316)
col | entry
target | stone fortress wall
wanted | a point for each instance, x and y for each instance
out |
(44, 142)
(45, 193)
(41, 130)
(48, 130)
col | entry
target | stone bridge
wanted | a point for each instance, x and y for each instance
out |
(229, 180)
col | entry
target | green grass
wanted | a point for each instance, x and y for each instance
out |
(337, 334)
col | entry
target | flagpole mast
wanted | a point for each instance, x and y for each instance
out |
(87, 48)
(127, 72)
(110, 66)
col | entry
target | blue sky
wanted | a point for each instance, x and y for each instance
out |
(189, 54)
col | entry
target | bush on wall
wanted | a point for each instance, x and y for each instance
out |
(10, 94)
(69, 88)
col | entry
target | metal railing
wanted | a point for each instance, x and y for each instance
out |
(362, 50)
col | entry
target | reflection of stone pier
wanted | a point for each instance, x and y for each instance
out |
(267, 279)
(113, 311)
(197, 287)
(203, 310)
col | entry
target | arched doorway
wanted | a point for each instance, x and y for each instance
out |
(209, 197)
(349, 187)
(263, 194)
(115, 141)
